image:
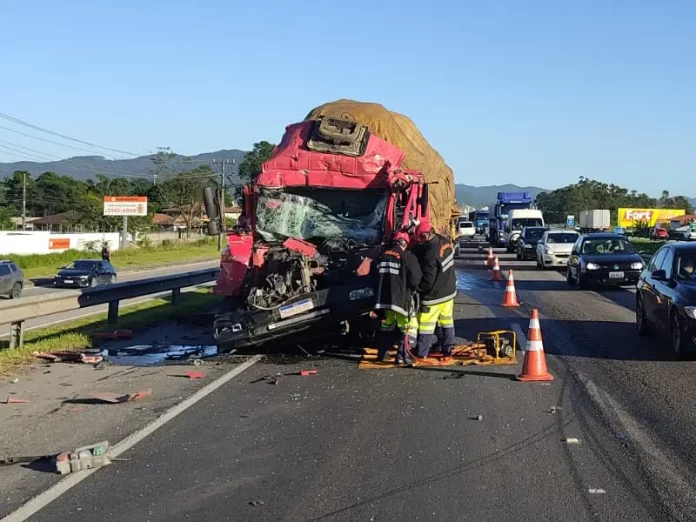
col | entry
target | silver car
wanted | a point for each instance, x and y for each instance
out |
(554, 248)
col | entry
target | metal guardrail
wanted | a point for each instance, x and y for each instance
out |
(15, 312)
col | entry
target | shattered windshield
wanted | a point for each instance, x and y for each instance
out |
(307, 213)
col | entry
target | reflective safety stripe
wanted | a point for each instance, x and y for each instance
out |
(440, 300)
(388, 271)
(390, 307)
(447, 259)
(387, 264)
(447, 266)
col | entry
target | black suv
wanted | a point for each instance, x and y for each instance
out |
(527, 242)
(666, 295)
(11, 280)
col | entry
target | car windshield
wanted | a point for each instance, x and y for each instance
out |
(534, 233)
(321, 214)
(564, 238)
(518, 224)
(466, 225)
(83, 265)
(686, 266)
(612, 245)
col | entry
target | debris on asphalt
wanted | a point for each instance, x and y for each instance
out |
(309, 355)
(594, 491)
(155, 354)
(571, 440)
(476, 418)
(86, 457)
(12, 400)
(305, 373)
(116, 398)
(191, 374)
(73, 357)
(75, 410)
(15, 380)
(256, 503)
(270, 379)
(554, 409)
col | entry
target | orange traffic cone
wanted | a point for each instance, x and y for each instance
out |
(489, 261)
(496, 271)
(534, 366)
(510, 293)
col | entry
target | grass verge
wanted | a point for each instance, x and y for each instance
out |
(75, 335)
(45, 265)
(646, 246)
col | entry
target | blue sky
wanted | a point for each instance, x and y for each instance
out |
(526, 92)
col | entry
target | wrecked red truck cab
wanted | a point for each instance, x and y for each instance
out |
(330, 196)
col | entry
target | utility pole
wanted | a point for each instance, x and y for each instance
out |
(221, 198)
(24, 202)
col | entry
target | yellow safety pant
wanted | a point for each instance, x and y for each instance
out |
(442, 315)
(406, 326)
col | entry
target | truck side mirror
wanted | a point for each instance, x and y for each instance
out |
(211, 205)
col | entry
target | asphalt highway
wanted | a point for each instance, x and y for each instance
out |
(461, 443)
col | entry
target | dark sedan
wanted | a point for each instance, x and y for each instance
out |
(603, 259)
(666, 295)
(527, 243)
(86, 273)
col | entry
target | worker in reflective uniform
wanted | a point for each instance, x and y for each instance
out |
(438, 289)
(399, 277)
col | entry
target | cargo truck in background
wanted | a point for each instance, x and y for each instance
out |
(480, 219)
(325, 203)
(505, 202)
(594, 221)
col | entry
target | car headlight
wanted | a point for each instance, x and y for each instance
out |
(637, 265)
(549, 250)
(690, 311)
(592, 266)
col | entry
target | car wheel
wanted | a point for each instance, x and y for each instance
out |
(569, 278)
(582, 283)
(539, 262)
(677, 336)
(641, 323)
(16, 291)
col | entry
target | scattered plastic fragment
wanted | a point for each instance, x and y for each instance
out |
(305, 373)
(571, 440)
(63, 356)
(477, 418)
(12, 400)
(554, 409)
(191, 374)
(257, 503)
(598, 491)
(115, 398)
(15, 380)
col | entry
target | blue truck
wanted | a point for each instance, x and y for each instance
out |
(505, 202)
(480, 219)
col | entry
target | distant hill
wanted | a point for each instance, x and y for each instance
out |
(483, 196)
(87, 167)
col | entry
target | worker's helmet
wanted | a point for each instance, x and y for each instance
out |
(424, 227)
(402, 236)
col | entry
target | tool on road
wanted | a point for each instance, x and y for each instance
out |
(86, 457)
(534, 366)
(490, 260)
(496, 271)
(510, 293)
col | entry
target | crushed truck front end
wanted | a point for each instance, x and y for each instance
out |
(326, 200)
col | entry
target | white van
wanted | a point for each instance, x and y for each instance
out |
(516, 221)
(466, 229)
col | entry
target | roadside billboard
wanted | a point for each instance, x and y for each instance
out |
(630, 217)
(125, 206)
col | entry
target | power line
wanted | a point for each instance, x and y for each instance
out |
(76, 140)
(49, 141)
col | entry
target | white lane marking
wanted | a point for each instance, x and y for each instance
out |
(521, 338)
(55, 491)
(153, 296)
(671, 481)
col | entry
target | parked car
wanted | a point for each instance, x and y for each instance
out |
(86, 273)
(527, 242)
(666, 296)
(554, 248)
(603, 258)
(11, 280)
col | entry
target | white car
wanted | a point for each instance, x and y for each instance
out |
(554, 248)
(466, 229)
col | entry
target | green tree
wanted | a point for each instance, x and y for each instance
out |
(184, 193)
(6, 218)
(251, 165)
